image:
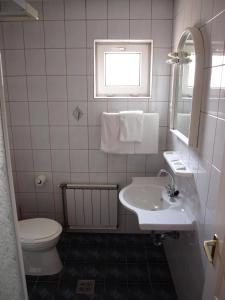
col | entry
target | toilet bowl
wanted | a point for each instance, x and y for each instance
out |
(39, 237)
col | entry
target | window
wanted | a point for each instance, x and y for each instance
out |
(122, 68)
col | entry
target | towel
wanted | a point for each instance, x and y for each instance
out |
(110, 133)
(150, 140)
(131, 126)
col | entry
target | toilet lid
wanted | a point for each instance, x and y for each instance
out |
(38, 228)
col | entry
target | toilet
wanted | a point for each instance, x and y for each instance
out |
(39, 237)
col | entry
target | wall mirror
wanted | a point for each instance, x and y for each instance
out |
(185, 105)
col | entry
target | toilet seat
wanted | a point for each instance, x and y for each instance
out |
(37, 230)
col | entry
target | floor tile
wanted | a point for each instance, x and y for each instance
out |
(140, 292)
(138, 272)
(160, 273)
(124, 267)
(164, 292)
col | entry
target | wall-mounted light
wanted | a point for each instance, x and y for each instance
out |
(181, 57)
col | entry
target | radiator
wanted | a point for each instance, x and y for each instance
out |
(90, 206)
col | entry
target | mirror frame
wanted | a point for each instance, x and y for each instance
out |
(192, 139)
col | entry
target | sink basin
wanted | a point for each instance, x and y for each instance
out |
(147, 197)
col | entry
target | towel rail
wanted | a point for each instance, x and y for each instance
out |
(81, 186)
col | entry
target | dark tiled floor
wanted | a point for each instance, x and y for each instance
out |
(124, 267)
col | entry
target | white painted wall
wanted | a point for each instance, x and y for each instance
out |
(186, 257)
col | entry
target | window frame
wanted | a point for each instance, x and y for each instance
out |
(145, 47)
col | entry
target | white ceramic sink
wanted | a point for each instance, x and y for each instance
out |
(147, 197)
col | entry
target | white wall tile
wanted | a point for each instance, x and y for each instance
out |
(162, 9)
(45, 202)
(96, 30)
(96, 9)
(117, 106)
(77, 88)
(35, 61)
(98, 177)
(136, 163)
(90, 62)
(17, 88)
(140, 29)
(154, 163)
(141, 105)
(76, 61)
(79, 160)
(97, 161)
(19, 113)
(40, 137)
(213, 190)
(53, 11)
(117, 178)
(78, 137)
(162, 109)
(58, 178)
(219, 145)
(162, 33)
(25, 182)
(58, 114)
(15, 62)
(94, 112)
(55, 62)
(206, 136)
(21, 137)
(90, 80)
(94, 137)
(27, 202)
(60, 161)
(33, 34)
(42, 160)
(23, 160)
(56, 87)
(159, 93)
(75, 34)
(59, 137)
(74, 9)
(54, 34)
(140, 9)
(38, 113)
(118, 29)
(36, 87)
(13, 35)
(160, 67)
(118, 9)
(117, 163)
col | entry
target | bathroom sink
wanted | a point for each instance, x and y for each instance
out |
(147, 197)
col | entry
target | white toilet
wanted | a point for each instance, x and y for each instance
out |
(39, 237)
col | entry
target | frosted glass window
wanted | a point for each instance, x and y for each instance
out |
(122, 69)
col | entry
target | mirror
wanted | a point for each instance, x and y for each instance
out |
(187, 86)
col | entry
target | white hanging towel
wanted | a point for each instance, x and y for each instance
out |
(131, 126)
(110, 135)
(110, 132)
(150, 139)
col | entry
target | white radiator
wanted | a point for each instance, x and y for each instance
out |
(90, 206)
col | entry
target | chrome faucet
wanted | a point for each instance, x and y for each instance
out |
(171, 187)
